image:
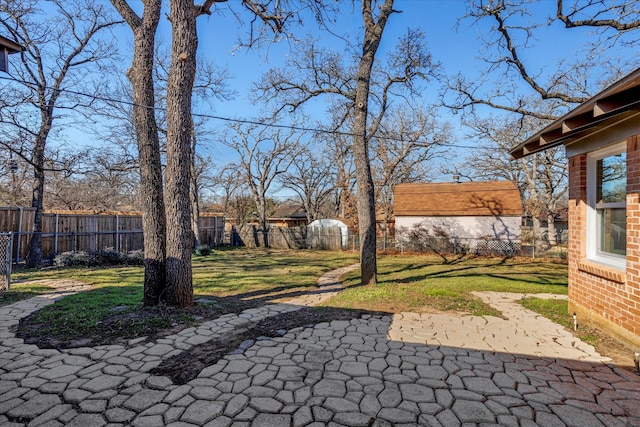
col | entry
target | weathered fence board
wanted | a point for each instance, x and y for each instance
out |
(327, 238)
(64, 231)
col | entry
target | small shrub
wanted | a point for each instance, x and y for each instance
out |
(203, 250)
(72, 259)
(135, 258)
(107, 258)
(103, 258)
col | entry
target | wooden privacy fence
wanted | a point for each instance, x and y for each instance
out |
(64, 231)
(327, 238)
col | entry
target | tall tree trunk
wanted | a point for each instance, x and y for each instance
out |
(195, 214)
(34, 255)
(262, 220)
(535, 230)
(364, 180)
(551, 230)
(178, 207)
(151, 188)
(194, 193)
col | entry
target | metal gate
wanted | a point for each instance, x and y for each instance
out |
(6, 241)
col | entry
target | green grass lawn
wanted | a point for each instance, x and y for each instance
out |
(558, 311)
(227, 272)
(19, 292)
(260, 275)
(422, 283)
(406, 283)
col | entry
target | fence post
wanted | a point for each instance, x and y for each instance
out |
(73, 242)
(55, 237)
(19, 244)
(533, 247)
(8, 256)
(117, 237)
(384, 240)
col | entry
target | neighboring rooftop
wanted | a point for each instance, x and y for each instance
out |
(289, 212)
(481, 198)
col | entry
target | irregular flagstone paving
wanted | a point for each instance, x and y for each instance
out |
(408, 369)
(523, 331)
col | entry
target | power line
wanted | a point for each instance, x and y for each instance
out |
(232, 120)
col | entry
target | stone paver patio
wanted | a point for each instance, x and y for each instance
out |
(406, 369)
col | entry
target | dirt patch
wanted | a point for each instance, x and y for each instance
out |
(126, 324)
(621, 354)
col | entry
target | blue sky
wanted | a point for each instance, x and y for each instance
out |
(456, 45)
(437, 18)
(457, 49)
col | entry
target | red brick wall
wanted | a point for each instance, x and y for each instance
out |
(577, 226)
(604, 297)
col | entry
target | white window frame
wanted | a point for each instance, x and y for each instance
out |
(593, 252)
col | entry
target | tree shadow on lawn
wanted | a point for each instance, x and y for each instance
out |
(107, 319)
(457, 264)
(542, 277)
(120, 324)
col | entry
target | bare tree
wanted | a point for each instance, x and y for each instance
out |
(572, 80)
(541, 178)
(103, 181)
(242, 207)
(183, 15)
(201, 179)
(61, 44)
(536, 94)
(264, 156)
(151, 189)
(229, 179)
(365, 92)
(311, 179)
(406, 144)
(339, 155)
(14, 180)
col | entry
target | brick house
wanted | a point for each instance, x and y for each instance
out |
(468, 212)
(7, 47)
(602, 142)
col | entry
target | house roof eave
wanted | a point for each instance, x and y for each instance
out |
(616, 103)
(10, 45)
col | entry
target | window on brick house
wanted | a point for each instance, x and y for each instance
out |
(606, 196)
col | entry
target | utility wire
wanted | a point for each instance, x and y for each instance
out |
(232, 120)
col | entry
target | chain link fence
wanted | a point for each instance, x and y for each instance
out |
(331, 238)
(6, 240)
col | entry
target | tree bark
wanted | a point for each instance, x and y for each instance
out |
(151, 188)
(178, 171)
(194, 193)
(366, 192)
(551, 229)
(34, 254)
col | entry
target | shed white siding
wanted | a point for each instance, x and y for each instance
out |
(469, 228)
